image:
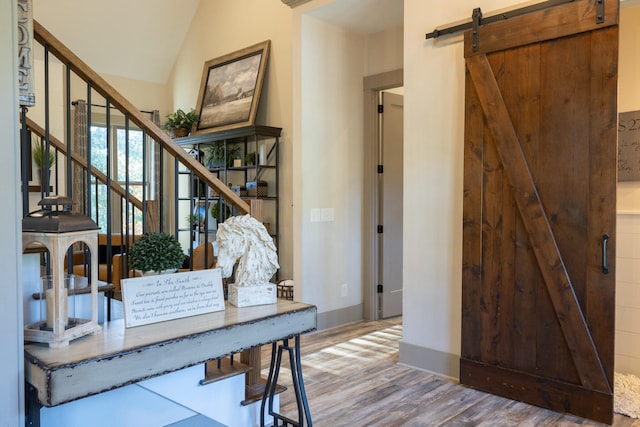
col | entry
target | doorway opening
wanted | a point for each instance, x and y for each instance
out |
(383, 199)
(390, 200)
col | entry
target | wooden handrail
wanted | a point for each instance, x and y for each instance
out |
(100, 85)
(60, 146)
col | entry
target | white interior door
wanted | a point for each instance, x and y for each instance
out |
(390, 213)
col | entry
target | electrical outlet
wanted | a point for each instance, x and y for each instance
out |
(345, 290)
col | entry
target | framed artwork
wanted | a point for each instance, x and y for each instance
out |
(629, 146)
(230, 89)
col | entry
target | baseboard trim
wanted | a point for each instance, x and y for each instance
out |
(430, 360)
(331, 319)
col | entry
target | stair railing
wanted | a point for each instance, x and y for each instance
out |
(158, 211)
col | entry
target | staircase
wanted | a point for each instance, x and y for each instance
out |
(121, 204)
(123, 197)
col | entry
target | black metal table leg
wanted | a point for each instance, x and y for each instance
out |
(32, 406)
(298, 385)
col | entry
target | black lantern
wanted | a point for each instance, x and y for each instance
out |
(57, 228)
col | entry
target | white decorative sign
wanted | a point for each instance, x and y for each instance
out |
(152, 299)
(25, 53)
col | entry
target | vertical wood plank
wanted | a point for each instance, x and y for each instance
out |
(252, 358)
(600, 292)
(563, 176)
(255, 209)
(472, 223)
(508, 209)
(564, 140)
(490, 312)
(520, 84)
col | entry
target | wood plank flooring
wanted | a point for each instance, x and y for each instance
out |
(352, 378)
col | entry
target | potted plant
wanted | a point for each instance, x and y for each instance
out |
(156, 252)
(214, 155)
(193, 220)
(250, 158)
(218, 215)
(39, 154)
(180, 123)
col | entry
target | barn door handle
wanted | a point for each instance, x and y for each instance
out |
(605, 239)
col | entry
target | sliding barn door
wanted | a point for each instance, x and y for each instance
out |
(539, 209)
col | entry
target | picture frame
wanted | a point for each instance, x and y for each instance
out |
(629, 146)
(230, 89)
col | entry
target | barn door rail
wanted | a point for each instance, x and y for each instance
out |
(478, 19)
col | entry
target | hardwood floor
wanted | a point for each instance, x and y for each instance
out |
(352, 378)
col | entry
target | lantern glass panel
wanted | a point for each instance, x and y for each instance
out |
(68, 308)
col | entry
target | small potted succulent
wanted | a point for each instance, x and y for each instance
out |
(180, 123)
(157, 252)
(43, 164)
(250, 158)
(193, 220)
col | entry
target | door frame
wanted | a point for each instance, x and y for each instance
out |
(372, 85)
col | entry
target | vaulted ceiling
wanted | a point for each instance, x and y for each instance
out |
(146, 35)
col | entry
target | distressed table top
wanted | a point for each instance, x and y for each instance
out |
(120, 356)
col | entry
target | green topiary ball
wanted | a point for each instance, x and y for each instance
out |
(157, 252)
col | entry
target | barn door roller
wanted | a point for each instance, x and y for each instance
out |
(476, 16)
(501, 16)
(599, 11)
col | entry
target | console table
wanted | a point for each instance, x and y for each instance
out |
(120, 356)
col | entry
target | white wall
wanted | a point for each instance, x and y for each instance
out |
(383, 51)
(221, 27)
(331, 148)
(145, 96)
(627, 348)
(330, 64)
(433, 143)
(11, 359)
(322, 163)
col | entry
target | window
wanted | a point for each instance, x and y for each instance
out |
(123, 158)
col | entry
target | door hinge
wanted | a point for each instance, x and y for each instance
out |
(380, 109)
(380, 289)
(380, 229)
(380, 169)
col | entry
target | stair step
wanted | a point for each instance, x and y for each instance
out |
(220, 369)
